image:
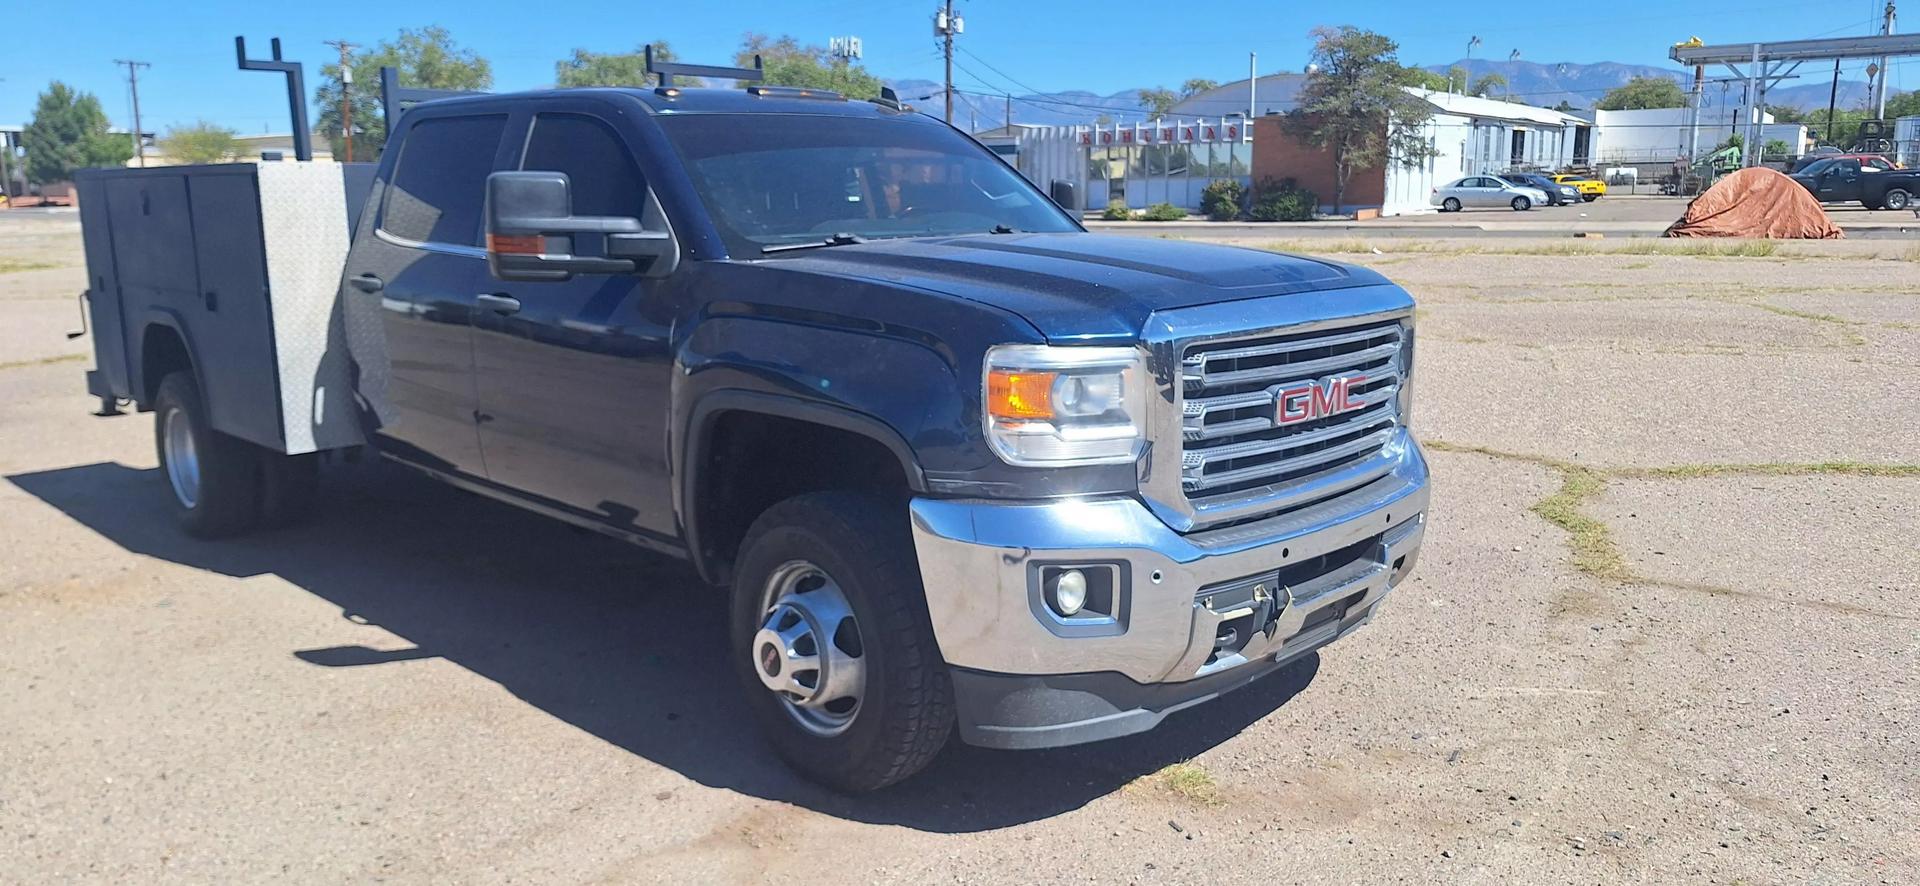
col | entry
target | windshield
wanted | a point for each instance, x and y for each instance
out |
(777, 179)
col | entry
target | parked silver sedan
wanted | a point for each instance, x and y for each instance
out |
(1486, 190)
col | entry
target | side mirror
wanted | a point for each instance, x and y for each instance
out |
(532, 233)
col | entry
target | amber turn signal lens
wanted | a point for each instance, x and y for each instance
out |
(1020, 395)
(520, 244)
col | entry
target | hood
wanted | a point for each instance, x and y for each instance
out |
(1076, 285)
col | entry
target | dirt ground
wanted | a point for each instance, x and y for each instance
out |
(1662, 632)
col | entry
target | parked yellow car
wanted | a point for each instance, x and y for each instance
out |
(1591, 189)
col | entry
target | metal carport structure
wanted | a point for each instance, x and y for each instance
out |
(1769, 63)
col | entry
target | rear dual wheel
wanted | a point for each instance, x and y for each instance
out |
(223, 486)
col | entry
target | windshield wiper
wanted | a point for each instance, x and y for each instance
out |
(835, 240)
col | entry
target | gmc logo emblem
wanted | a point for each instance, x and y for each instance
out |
(1310, 401)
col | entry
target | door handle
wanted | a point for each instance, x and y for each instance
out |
(367, 283)
(499, 304)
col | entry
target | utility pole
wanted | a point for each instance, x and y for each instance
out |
(1253, 84)
(1833, 97)
(346, 92)
(6, 154)
(1693, 124)
(1880, 82)
(133, 81)
(947, 25)
(1009, 113)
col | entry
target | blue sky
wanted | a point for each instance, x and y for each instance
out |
(1046, 44)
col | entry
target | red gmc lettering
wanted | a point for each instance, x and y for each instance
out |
(1310, 401)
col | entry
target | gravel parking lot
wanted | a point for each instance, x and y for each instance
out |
(1662, 631)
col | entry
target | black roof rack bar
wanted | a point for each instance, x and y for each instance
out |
(889, 98)
(796, 92)
(667, 70)
(396, 99)
(296, 91)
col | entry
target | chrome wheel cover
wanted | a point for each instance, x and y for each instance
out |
(808, 651)
(183, 460)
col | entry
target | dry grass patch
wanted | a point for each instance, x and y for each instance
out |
(1594, 551)
(44, 361)
(1638, 246)
(1188, 781)
(16, 265)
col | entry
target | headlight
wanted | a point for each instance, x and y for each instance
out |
(1051, 406)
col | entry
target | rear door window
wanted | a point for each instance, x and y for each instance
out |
(440, 180)
(605, 180)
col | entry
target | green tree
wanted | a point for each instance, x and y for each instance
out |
(1196, 86)
(1158, 100)
(1906, 104)
(1485, 84)
(1432, 80)
(69, 132)
(1643, 92)
(614, 68)
(1354, 105)
(810, 67)
(426, 58)
(199, 142)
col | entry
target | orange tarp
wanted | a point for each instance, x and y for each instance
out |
(1756, 202)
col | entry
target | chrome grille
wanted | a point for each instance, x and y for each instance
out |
(1281, 413)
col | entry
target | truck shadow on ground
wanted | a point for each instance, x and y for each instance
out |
(623, 644)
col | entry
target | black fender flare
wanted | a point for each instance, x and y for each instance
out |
(138, 382)
(689, 454)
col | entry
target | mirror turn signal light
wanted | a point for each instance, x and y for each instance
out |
(516, 244)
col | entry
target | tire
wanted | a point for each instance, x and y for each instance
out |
(214, 478)
(1896, 199)
(1450, 205)
(1589, 198)
(806, 561)
(1521, 204)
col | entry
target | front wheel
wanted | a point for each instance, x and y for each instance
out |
(833, 643)
(1897, 199)
(1522, 204)
(1450, 205)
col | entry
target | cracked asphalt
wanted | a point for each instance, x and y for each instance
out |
(422, 686)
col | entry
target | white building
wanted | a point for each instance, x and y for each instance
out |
(1503, 136)
(1660, 135)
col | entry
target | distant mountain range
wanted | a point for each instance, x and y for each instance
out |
(1548, 84)
(1535, 83)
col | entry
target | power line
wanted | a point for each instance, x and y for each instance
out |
(133, 83)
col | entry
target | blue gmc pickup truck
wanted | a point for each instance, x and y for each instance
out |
(961, 465)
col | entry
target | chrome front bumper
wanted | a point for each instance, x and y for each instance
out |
(981, 563)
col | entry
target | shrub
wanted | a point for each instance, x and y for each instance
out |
(1222, 198)
(1164, 212)
(1282, 200)
(1117, 211)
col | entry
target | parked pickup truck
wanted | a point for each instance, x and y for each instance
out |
(958, 462)
(1845, 180)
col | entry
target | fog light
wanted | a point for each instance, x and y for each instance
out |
(1069, 592)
